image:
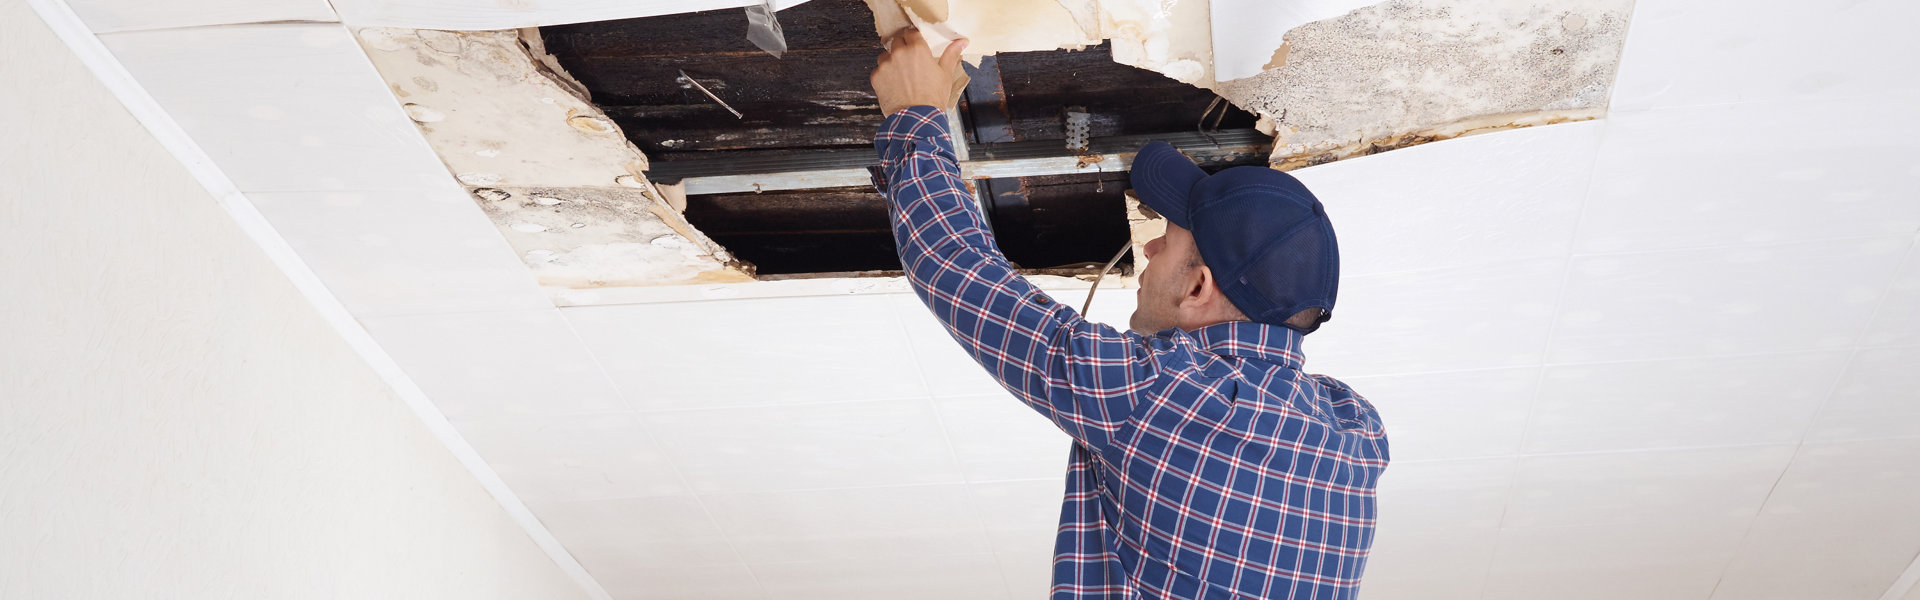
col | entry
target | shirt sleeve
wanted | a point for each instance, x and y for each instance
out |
(1087, 377)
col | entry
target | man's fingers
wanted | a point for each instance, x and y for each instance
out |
(950, 60)
(911, 37)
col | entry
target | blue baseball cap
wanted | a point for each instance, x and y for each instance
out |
(1266, 238)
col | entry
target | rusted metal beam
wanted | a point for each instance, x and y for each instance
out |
(1020, 159)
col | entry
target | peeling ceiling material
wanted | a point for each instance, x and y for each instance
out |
(1412, 71)
(1248, 35)
(557, 176)
(596, 237)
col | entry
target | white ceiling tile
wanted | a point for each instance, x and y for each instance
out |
(1912, 593)
(951, 372)
(403, 252)
(1730, 300)
(1870, 476)
(1691, 52)
(1831, 556)
(104, 16)
(1027, 506)
(964, 577)
(493, 365)
(1679, 560)
(609, 536)
(1841, 524)
(1028, 569)
(850, 525)
(1430, 497)
(1754, 173)
(1768, 399)
(948, 369)
(1439, 320)
(1022, 518)
(1879, 397)
(1448, 565)
(574, 457)
(1897, 320)
(1467, 201)
(679, 582)
(1644, 489)
(283, 107)
(887, 442)
(1456, 414)
(999, 438)
(752, 352)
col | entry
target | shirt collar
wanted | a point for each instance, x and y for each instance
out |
(1271, 343)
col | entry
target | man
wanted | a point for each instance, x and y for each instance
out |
(1205, 463)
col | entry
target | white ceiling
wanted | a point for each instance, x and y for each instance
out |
(1662, 355)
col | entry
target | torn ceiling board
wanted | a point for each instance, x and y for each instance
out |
(1411, 71)
(107, 16)
(1248, 34)
(556, 175)
(1166, 36)
(477, 15)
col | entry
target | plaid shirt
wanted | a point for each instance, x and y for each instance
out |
(1205, 463)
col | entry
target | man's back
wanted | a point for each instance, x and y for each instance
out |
(1205, 464)
(1240, 475)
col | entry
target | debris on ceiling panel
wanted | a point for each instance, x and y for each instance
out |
(1406, 72)
(557, 175)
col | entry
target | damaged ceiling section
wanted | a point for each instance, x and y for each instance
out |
(670, 150)
(1407, 72)
(565, 187)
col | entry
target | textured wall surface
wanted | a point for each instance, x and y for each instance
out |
(175, 419)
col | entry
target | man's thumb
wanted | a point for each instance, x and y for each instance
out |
(950, 59)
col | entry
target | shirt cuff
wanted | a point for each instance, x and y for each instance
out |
(898, 133)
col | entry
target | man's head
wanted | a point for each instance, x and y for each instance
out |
(1246, 244)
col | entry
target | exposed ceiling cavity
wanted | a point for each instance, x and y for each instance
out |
(610, 153)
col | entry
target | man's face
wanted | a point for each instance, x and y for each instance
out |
(1169, 272)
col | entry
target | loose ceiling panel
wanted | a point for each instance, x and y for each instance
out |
(106, 16)
(478, 15)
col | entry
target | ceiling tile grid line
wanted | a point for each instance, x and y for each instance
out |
(1726, 301)
(1849, 500)
(1559, 304)
(679, 473)
(416, 244)
(1706, 177)
(345, 125)
(1700, 52)
(946, 437)
(1832, 388)
(1902, 292)
(1909, 580)
(93, 51)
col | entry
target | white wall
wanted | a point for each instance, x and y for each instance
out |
(176, 421)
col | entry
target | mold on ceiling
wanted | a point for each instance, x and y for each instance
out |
(555, 174)
(1406, 72)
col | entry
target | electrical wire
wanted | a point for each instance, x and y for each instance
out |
(1103, 275)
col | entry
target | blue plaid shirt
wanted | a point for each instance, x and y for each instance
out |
(1205, 463)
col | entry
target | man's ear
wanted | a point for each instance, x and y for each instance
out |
(1200, 289)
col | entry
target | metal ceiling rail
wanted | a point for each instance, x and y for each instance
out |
(771, 171)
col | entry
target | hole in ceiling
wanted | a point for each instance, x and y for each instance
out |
(782, 186)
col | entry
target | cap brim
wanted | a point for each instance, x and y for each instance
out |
(1162, 177)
